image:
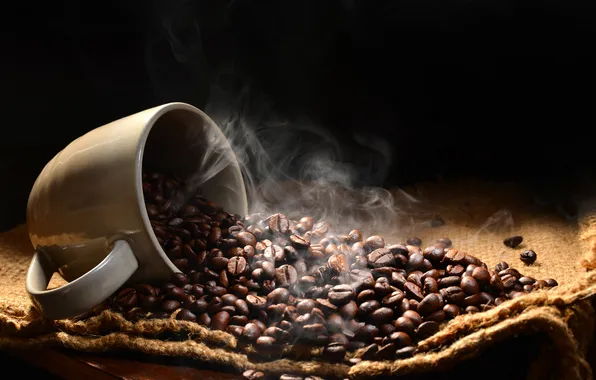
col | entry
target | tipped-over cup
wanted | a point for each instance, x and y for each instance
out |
(86, 212)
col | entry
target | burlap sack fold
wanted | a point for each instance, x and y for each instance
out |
(477, 217)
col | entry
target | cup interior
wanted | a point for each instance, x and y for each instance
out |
(188, 144)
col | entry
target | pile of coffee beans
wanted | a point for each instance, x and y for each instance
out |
(271, 281)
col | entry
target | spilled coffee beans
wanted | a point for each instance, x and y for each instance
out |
(272, 281)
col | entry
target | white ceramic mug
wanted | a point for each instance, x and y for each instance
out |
(86, 213)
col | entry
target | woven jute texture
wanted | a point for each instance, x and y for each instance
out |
(477, 216)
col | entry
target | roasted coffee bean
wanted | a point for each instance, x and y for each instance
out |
(349, 310)
(430, 285)
(438, 316)
(414, 241)
(287, 376)
(427, 329)
(472, 309)
(430, 304)
(405, 325)
(416, 278)
(374, 242)
(326, 306)
(279, 295)
(367, 333)
(528, 257)
(451, 310)
(386, 352)
(380, 257)
(335, 323)
(453, 294)
(481, 275)
(381, 315)
(394, 299)
(413, 291)
(449, 281)
(469, 285)
(170, 305)
(405, 352)
(220, 321)
(286, 275)
(434, 253)
(551, 282)
(186, 315)
(455, 270)
(366, 295)
(341, 294)
(513, 241)
(278, 223)
(413, 315)
(256, 302)
(445, 242)
(501, 266)
(127, 298)
(305, 306)
(180, 279)
(251, 374)
(237, 266)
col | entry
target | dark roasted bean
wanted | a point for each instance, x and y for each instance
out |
(513, 241)
(528, 257)
(427, 329)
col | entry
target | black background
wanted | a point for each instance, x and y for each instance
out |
(458, 88)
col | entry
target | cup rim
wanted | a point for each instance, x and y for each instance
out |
(138, 172)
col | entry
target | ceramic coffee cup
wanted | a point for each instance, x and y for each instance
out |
(86, 213)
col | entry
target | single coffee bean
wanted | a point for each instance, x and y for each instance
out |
(386, 352)
(413, 291)
(220, 321)
(335, 323)
(246, 238)
(340, 294)
(414, 304)
(472, 309)
(180, 279)
(251, 374)
(499, 300)
(415, 262)
(405, 352)
(427, 329)
(414, 241)
(513, 241)
(186, 315)
(305, 306)
(405, 325)
(414, 316)
(454, 294)
(279, 223)
(256, 302)
(381, 315)
(501, 266)
(237, 266)
(251, 332)
(438, 316)
(368, 307)
(286, 275)
(446, 282)
(349, 310)
(394, 299)
(368, 352)
(366, 333)
(430, 304)
(299, 242)
(481, 275)
(127, 298)
(170, 305)
(455, 270)
(528, 257)
(374, 242)
(551, 282)
(451, 310)
(287, 376)
(445, 242)
(469, 285)
(279, 295)
(430, 285)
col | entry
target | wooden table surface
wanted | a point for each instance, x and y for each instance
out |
(54, 364)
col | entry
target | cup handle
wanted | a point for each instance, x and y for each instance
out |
(84, 293)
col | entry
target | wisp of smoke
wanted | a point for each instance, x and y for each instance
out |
(289, 166)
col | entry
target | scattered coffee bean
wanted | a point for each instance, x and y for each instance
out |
(513, 241)
(528, 257)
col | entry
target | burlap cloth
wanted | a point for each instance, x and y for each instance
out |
(477, 217)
